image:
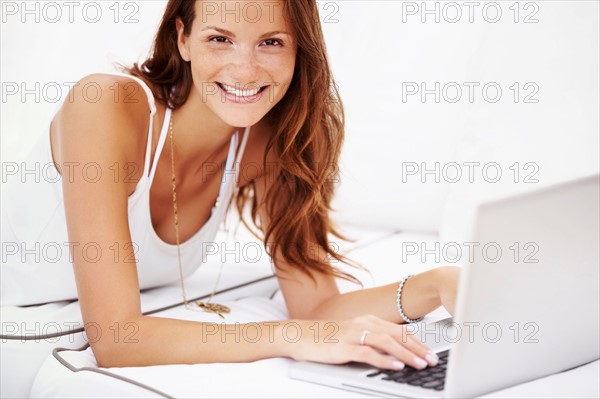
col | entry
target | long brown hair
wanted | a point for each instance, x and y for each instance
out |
(308, 133)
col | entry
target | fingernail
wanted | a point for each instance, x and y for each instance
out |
(397, 365)
(420, 363)
(432, 359)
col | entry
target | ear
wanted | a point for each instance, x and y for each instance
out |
(182, 41)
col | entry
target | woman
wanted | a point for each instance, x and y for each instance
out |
(211, 71)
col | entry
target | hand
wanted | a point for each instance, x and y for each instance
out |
(447, 278)
(388, 345)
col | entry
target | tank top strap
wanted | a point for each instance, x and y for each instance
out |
(152, 105)
(159, 147)
(238, 159)
(233, 158)
(240, 153)
(231, 154)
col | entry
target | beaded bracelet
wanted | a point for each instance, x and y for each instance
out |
(399, 307)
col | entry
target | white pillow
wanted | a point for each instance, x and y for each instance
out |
(551, 129)
(538, 143)
(389, 130)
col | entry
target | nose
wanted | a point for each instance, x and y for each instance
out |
(245, 66)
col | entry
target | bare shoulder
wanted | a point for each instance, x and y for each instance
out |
(102, 111)
(108, 98)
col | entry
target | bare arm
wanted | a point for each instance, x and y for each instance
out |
(421, 294)
(146, 341)
(341, 319)
(108, 132)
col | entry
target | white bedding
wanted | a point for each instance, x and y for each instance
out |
(261, 379)
(74, 373)
(29, 334)
(21, 358)
(377, 250)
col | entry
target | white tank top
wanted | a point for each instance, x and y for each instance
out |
(36, 265)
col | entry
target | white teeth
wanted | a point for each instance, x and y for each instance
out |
(240, 93)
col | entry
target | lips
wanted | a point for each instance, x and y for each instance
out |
(241, 93)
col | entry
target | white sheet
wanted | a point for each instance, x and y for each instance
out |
(21, 359)
(265, 378)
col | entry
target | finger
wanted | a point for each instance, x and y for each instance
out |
(390, 345)
(408, 340)
(400, 330)
(409, 336)
(421, 350)
(366, 354)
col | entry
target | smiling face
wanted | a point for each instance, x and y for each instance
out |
(242, 56)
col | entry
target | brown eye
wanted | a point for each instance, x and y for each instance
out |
(273, 42)
(218, 39)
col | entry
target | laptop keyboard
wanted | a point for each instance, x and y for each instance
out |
(429, 377)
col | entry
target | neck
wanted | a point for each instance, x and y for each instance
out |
(198, 133)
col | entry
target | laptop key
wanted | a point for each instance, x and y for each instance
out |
(399, 374)
(403, 378)
(375, 373)
(433, 384)
(395, 376)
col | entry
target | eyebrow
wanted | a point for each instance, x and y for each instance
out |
(231, 34)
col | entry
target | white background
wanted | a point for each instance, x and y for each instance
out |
(376, 49)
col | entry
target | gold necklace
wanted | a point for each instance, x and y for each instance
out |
(205, 306)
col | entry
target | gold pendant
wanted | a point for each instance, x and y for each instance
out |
(213, 308)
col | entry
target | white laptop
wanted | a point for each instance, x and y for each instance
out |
(529, 313)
